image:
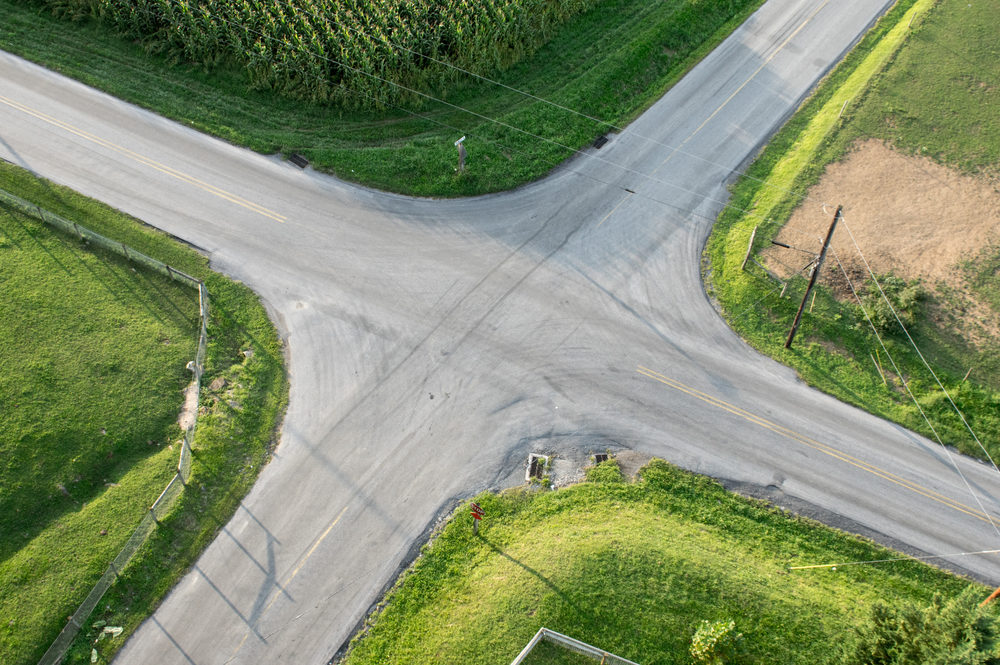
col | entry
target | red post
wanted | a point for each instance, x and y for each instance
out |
(477, 514)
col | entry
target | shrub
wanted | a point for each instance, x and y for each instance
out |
(905, 298)
(956, 632)
(607, 471)
(716, 642)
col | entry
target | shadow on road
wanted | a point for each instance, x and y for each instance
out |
(174, 642)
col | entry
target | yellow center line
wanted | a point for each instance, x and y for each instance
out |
(816, 445)
(146, 161)
(627, 196)
(281, 588)
(764, 64)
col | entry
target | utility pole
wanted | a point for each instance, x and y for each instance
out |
(812, 278)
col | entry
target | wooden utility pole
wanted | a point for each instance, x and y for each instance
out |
(812, 278)
(749, 249)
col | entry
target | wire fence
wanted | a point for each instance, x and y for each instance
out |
(57, 650)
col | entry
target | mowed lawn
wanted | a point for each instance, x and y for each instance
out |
(92, 371)
(634, 568)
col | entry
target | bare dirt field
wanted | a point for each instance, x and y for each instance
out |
(908, 215)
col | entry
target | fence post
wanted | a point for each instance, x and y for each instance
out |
(76, 227)
(125, 250)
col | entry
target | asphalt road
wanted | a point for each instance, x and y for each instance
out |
(433, 344)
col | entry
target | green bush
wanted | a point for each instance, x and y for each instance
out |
(716, 642)
(905, 298)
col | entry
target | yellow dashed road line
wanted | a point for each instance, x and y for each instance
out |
(816, 445)
(146, 161)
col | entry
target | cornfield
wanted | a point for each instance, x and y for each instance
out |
(356, 53)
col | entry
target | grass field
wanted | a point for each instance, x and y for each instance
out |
(633, 568)
(919, 86)
(611, 62)
(93, 377)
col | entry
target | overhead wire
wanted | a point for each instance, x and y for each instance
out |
(913, 397)
(675, 149)
(801, 197)
(913, 343)
(925, 557)
(556, 105)
(724, 204)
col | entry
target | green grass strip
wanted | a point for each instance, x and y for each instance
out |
(611, 62)
(785, 174)
(835, 350)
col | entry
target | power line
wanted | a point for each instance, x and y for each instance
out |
(895, 315)
(909, 392)
(578, 151)
(724, 204)
(561, 107)
(636, 172)
(913, 344)
(902, 558)
(801, 197)
(601, 159)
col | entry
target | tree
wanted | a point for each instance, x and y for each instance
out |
(953, 632)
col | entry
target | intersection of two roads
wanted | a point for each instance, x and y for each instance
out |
(432, 345)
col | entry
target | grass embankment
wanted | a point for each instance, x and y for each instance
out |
(93, 379)
(634, 568)
(917, 86)
(611, 62)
